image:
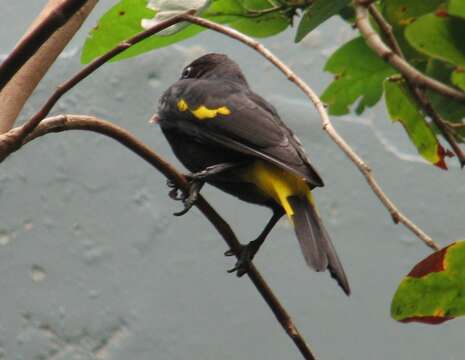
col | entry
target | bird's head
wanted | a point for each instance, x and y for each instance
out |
(213, 66)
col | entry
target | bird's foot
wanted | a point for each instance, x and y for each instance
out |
(196, 181)
(188, 197)
(244, 258)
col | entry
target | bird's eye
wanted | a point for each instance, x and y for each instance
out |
(186, 72)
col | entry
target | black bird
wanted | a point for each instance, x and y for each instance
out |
(233, 139)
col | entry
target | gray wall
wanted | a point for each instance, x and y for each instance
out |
(94, 266)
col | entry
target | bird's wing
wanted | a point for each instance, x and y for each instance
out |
(234, 117)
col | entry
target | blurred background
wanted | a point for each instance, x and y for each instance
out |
(94, 265)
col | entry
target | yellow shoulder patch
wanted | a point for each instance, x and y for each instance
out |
(202, 112)
(182, 105)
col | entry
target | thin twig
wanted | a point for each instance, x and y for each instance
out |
(418, 94)
(80, 122)
(386, 28)
(396, 215)
(455, 125)
(377, 45)
(34, 40)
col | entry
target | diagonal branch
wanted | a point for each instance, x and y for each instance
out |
(418, 93)
(379, 47)
(89, 123)
(34, 40)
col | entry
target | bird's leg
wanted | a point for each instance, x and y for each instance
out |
(247, 252)
(213, 170)
(196, 181)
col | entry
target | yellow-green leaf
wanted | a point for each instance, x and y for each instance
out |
(404, 109)
(434, 290)
(458, 78)
(457, 8)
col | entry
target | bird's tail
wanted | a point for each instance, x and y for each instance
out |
(316, 245)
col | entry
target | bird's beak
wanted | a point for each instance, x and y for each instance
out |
(154, 119)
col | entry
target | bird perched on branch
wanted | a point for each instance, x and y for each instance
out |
(230, 137)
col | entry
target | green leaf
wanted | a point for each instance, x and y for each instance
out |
(448, 108)
(251, 17)
(256, 5)
(316, 13)
(456, 8)
(434, 290)
(404, 109)
(347, 13)
(359, 73)
(261, 26)
(124, 20)
(120, 23)
(458, 78)
(440, 37)
(400, 13)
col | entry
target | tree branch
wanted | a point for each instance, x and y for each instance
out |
(34, 40)
(89, 123)
(16, 92)
(418, 94)
(379, 47)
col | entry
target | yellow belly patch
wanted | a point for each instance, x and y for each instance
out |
(202, 112)
(277, 183)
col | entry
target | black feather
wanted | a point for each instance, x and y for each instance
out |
(316, 245)
(250, 124)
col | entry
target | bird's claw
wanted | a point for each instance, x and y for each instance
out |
(229, 252)
(188, 202)
(244, 258)
(188, 197)
(176, 194)
(171, 184)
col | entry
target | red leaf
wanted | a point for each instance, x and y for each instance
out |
(442, 154)
(432, 320)
(441, 13)
(433, 263)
